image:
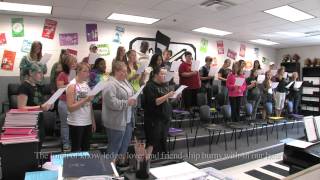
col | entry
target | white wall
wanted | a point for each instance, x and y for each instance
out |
(304, 53)
(34, 25)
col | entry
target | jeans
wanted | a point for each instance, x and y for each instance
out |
(255, 105)
(80, 137)
(118, 141)
(235, 103)
(268, 107)
(64, 128)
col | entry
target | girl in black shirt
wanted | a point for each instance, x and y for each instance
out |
(157, 111)
(30, 94)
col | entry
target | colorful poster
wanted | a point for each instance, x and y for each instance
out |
(8, 60)
(220, 47)
(3, 39)
(49, 28)
(72, 52)
(92, 32)
(242, 52)
(67, 39)
(118, 34)
(232, 54)
(204, 45)
(17, 27)
(248, 65)
(26, 46)
(103, 50)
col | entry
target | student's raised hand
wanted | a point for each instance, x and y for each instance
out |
(132, 102)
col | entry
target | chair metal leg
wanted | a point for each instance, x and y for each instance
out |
(257, 134)
(240, 134)
(225, 140)
(277, 131)
(209, 141)
(187, 142)
(235, 139)
(169, 144)
(247, 132)
(218, 137)
(272, 127)
(297, 127)
(195, 137)
(174, 143)
(232, 134)
(285, 124)
(267, 133)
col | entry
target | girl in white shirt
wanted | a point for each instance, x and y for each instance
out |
(80, 114)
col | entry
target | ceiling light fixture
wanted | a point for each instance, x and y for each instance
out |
(212, 31)
(289, 13)
(29, 8)
(131, 18)
(264, 42)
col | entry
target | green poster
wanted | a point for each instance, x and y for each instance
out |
(204, 45)
(17, 27)
(103, 49)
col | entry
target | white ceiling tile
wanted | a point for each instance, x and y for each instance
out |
(34, 2)
(306, 5)
(72, 4)
(65, 12)
(171, 6)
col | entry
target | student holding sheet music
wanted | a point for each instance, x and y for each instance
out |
(117, 110)
(166, 54)
(190, 79)
(236, 91)
(206, 80)
(155, 62)
(80, 117)
(280, 96)
(253, 93)
(121, 55)
(30, 93)
(222, 76)
(34, 55)
(56, 69)
(93, 49)
(267, 96)
(97, 74)
(69, 63)
(136, 80)
(294, 95)
(157, 111)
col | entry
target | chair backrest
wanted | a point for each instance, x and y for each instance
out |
(202, 99)
(248, 109)
(226, 111)
(98, 120)
(204, 112)
(215, 89)
(13, 90)
(221, 99)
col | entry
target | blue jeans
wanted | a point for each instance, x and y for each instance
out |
(118, 141)
(64, 127)
(268, 107)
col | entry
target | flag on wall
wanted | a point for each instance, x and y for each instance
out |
(242, 52)
(49, 28)
(8, 60)
(72, 52)
(67, 39)
(118, 34)
(231, 54)
(203, 45)
(17, 27)
(220, 47)
(92, 32)
(26, 46)
(3, 39)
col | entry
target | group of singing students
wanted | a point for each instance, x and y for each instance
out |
(118, 107)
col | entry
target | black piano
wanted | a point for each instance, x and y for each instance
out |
(299, 158)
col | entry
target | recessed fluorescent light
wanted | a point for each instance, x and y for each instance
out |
(30, 8)
(289, 13)
(131, 18)
(292, 34)
(212, 31)
(265, 42)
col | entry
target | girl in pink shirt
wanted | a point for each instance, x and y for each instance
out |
(235, 92)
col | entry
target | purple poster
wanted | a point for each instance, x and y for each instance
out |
(67, 39)
(92, 32)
